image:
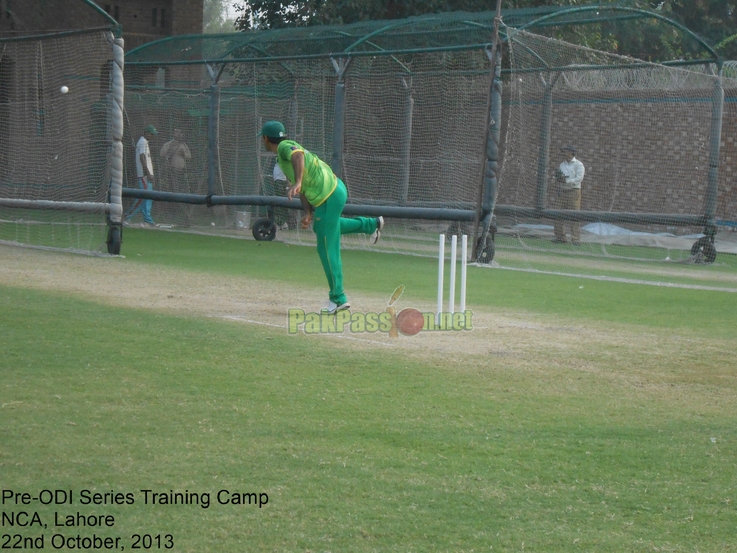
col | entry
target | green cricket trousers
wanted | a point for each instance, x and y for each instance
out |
(328, 226)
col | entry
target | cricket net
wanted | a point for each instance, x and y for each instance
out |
(400, 111)
(61, 101)
(412, 124)
(646, 135)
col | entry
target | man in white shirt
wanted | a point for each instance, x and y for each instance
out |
(569, 176)
(145, 174)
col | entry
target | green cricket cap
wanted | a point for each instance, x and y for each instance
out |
(151, 129)
(273, 129)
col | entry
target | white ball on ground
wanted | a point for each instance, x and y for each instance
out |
(64, 89)
(212, 224)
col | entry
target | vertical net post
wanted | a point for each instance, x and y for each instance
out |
(712, 188)
(544, 153)
(340, 65)
(116, 119)
(212, 139)
(486, 178)
(406, 141)
(493, 140)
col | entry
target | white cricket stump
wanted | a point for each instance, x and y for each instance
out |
(464, 266)
(452, 275)
(441, 270)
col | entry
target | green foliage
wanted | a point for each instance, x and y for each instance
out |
(214, 18)
(273, 14)
(714, 20)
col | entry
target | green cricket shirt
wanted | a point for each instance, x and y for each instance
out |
(318, 179)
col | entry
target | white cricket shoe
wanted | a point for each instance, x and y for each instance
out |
(377, 234)
(332, 307)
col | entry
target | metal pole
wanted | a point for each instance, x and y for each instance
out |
(117, 126)
(212, 139)
(340, 65)
(544, 152)
(492, 144)
(483, 183)
(712, 190)
(406, 141)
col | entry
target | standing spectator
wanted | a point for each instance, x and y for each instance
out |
(176, 154)
(569, 177)
(145, 173)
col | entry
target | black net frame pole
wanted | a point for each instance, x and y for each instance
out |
(491, 181)
(544, 152)
(483, 184)
(212, 139)
(545, 134)
(408, 212)
(340, 65)
(406, 144)
(712, 189)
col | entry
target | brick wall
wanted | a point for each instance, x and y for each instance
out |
(727, 203)
(188, 17)
(19, 17)
(142, 20)
(644, 152)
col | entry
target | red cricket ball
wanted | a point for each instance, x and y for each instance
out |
(410, 321)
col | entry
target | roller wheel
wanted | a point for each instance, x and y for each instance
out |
(705, 247)
(485, 252)
(114, 239)
(264, 229)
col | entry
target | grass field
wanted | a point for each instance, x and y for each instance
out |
(578, 415)
(55, 229)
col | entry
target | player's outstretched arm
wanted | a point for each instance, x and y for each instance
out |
(298, 164)
(307, 206)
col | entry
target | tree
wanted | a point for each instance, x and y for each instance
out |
(214, 18)
(272, 14)
(713, 20)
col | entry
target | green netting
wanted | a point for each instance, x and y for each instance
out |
(59, 122)
(55, 146)
(446, 31)
(408, 103)
(645, 133)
